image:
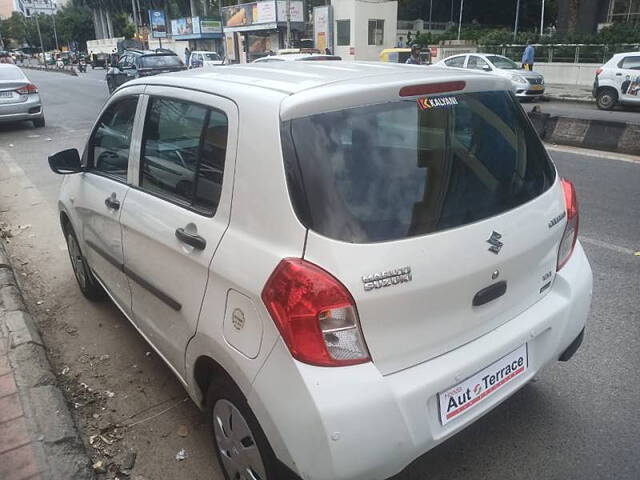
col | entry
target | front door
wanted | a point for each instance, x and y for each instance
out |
(176, 215)
(104, 189)
(628, 77)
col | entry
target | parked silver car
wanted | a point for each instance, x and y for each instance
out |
(524, 83)
(19, 98)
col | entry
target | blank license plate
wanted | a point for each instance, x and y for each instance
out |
(6, 94)
(537, 87)
(472, 391)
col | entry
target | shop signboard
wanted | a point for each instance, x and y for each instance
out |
(322, 28)
(296, 11)
(209, 25)
(182, 26)
(158, 23)
(260, 15)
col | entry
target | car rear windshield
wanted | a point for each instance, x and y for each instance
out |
(160, 61)
(11, 73)
(413, 167)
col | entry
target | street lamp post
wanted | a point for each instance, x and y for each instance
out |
(542, 19)
(460, 20)
(55, 32)
(515, 27)
(288, 23)
(44, 58)
(430, 12)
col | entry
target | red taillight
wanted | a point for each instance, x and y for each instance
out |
(570, 234)
(315, 314)
(27, 89)
(598, 71)
(430, 88)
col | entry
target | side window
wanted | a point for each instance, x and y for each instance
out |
(477, 63)
(183, 151)
(630, 63)
(455, 62)
(109, 147)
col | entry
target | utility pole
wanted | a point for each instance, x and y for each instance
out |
(288, 23)
(451, 18)
(542, 19)
(55, 32)
(460, 20)
(515, 27)
(44, 59)
(430, 12)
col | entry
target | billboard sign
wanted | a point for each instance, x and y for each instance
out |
(182, 26)
(323, 28)
(208, 25)
(296, 11)
(260, 15)
(158, 23)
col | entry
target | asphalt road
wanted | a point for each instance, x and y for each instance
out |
(578, 420)
(587, 111)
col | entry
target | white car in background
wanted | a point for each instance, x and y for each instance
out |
(618, 81)
(400, 258)
(524, 83)
(205, 59)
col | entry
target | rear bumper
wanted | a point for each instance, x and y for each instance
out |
(28, 110)
(354, 423)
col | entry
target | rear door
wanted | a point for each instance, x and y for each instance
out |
(436, 215)
(177, 212)
(628, 78)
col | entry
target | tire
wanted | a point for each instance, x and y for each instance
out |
(607, 98)
(88, 284)
(38, 122)
(226, 402)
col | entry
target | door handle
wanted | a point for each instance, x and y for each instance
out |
(193, 239)
(112, 202)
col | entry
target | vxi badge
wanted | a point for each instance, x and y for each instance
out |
(494, 241)
(387, 278)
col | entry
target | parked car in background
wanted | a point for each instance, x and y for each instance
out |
(400, 55)
(397, 263)
(142, 63)
(524, 83)
(618, 81)
(19, 98)
(296, 57)
(204, 59)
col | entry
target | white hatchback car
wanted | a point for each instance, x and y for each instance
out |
(618, 81)
(364, 258)
(524, 83)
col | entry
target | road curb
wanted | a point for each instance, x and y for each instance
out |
(560, 98)
(70, 71)
(59, 453)
(618, 137)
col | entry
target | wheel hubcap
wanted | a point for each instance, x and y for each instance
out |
(606, 100)
(241, 458)
(76, 261)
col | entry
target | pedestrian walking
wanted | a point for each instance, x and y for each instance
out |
(187, 55)
(415, 58)
(528, 56)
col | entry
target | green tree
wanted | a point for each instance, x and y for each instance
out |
(75, 24)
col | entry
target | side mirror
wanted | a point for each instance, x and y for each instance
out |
(65, 162)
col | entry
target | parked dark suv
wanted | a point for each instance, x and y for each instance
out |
(142, 63)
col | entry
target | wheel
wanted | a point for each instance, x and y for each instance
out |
(606, 99)
(241, 446)
(88, 284)
(38, 122)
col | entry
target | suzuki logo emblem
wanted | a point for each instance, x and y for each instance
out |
(494, 241)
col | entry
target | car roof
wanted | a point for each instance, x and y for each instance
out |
(294, 56)
(293, 77)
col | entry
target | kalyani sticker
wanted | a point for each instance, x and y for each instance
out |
(427, 103)
(459, 399)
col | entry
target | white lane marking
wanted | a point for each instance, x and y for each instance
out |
(594, 153)
(607, 245)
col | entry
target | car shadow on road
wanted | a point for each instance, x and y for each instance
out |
(17, 127)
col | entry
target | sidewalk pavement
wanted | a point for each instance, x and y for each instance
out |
(568, 93)
(38, 438)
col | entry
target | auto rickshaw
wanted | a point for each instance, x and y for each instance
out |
(400, 55)
(99, 60)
